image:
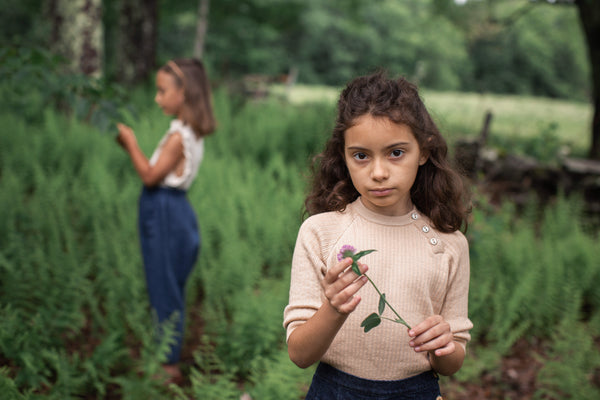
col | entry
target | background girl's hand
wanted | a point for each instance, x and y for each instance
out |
(126, 137)
(341, 284)
(433, 335)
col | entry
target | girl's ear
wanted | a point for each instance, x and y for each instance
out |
(425, 154)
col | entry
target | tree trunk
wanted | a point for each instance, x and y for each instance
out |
(77, 33)
(201, 27)
(136, 54)
(589, 14)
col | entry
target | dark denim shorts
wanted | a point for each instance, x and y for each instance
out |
(330, 383)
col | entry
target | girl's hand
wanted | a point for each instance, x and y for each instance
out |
(310, 340)
(433, 335)
(341, 284)
(126, 138)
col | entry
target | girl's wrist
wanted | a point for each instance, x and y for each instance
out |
(334, 312)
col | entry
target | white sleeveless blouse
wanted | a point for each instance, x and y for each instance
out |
(193, 151)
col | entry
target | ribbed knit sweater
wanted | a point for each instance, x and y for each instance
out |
(422, 271)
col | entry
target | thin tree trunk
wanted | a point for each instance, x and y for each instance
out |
(137, 37)
(201, 28)
(589, 13)
(77, 33)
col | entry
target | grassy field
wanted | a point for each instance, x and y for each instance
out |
(75, 316)
(462, 114)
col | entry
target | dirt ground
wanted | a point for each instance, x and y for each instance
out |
(516, 380)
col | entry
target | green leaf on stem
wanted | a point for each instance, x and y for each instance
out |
(381, 303)
(355, 268)
(371, 322)
(358, 255)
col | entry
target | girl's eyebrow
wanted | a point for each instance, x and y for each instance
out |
(398, 144)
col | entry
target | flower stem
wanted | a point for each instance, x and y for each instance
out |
(400, 319)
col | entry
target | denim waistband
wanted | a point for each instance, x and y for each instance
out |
(163, 189)
(423, 381)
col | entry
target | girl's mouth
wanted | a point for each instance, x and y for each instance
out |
(380, 192)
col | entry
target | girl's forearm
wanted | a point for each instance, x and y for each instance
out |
(141, 164)
(309, 342)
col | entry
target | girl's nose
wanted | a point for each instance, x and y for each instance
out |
(380, 170)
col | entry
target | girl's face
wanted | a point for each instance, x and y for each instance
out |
(169, 96)
(383, 159)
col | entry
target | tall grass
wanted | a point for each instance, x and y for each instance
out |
(516, 119)
(75, 315)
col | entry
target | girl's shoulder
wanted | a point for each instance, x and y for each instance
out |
(327, 224)
(327, 219)
(320, 233)
(183, 129)
(455, 242)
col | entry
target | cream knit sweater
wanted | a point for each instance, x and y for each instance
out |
(422, 272)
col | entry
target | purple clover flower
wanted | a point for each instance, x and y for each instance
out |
(346, 251)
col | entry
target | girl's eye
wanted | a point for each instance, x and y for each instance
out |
(360, 156)
(397, 153)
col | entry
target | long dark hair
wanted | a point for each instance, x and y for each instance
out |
(438, 191)
(190, 74)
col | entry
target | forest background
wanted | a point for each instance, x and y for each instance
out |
(75, 318)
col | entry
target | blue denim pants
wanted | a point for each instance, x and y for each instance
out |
(330, 383)
(170, 241)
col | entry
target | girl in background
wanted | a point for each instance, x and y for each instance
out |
(383, 182)
(169, 234)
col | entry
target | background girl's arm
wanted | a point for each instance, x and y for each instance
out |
(170, 156)
(309, 341)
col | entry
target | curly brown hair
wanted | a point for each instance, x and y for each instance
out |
(190, 74)
(438, 191)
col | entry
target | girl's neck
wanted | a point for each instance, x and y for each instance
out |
(382, 219)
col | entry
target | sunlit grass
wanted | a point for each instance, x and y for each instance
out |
(462, 114)
(521, 116)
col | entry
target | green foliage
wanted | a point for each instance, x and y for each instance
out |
(33, 79)
(483, 46)
(540, 52)
(519, 264)
(209, 378)
(252, 333)
(75, 315)
(572, 361)
(70, 288)
(487, 46)
(277, 378)
(23, 20)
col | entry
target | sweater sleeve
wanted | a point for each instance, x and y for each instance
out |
(455, 306)
(308, 270)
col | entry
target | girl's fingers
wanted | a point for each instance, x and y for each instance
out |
(345, 301)
(334, 273)
(349, 306)
(444, 351)
(341, 284)
(425, 325)
(432, 334)
(437, 342)
(343, 270)
(340, 277)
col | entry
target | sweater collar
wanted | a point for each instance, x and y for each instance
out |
(359, 208)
